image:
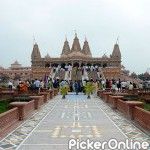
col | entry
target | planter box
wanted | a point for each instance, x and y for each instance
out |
(46, 96)
(38, 101)
(113, 100)
(127, 107)
(7, 94)
(24, 108)
(122, 107)
(51, 94)
(99, 93)
(142, 117)
(8, 118)
(130, 107)
(106, 96)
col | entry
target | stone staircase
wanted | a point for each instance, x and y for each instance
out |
(100, 73)
(79, 75)
(76, 74)
(60, 74)
(85, 75)
(96, 75)
(67, 75)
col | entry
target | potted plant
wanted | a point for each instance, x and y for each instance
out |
(64, 91)
(89, 89)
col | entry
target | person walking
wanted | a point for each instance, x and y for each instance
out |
(76, 87)
(37, 85)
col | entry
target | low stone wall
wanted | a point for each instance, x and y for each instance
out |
(46, 96)
(131, 109)
(142, 117)
(122, 106)
(112, 100)
(8, 118)
(20, 111)
(24, 108)
(38, 101)
(29, 108)
(7, 94)
(105, 96)
(51, 93)
(100, 93)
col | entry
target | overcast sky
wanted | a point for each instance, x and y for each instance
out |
(101, 21)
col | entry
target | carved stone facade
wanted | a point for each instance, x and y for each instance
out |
(76, 56)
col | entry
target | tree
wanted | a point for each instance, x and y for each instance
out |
(134, 75)
(4, 78)
(144, 76)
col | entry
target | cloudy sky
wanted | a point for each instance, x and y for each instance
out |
(101, 21)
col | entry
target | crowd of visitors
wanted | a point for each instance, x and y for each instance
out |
(118, 85)
(83, 68)
(73, 86)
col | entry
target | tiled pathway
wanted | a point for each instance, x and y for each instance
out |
(75, 117)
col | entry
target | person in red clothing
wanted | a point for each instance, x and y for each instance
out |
(23, 87)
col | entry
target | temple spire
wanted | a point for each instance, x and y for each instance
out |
(85, 38)
(86, 49)
(117, 41)
(66, 48)
(76, 44)
(116, 51)
(75, 33)
(66, 38)
(35, 52)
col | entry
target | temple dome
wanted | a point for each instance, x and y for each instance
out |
(16, 65)
(47, 56)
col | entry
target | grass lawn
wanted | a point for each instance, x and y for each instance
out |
(4, 106)
(147, 107)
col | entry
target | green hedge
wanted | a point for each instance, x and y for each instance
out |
(4, 106)
(147, 107)
(22, 98)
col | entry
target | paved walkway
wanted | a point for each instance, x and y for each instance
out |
(75, 117)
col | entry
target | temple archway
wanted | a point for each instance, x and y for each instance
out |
(76, 64)
(63, 65)
(47, 65)
(82, 64)
(88, 64)
(104, 65)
